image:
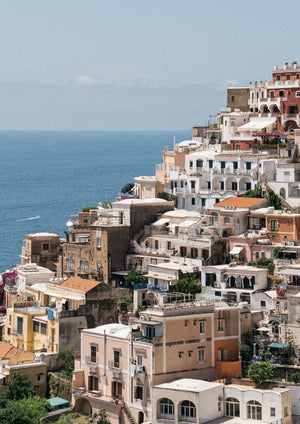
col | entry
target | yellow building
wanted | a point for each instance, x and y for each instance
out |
(14, 360)
(52, 322)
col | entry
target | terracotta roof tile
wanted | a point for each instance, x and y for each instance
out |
(240, 202)
(9, 351)
(80, 284)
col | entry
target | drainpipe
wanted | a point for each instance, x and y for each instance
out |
(104, 363)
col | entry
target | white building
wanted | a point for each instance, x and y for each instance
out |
(198, 401)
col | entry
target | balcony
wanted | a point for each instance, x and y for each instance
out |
(114, 364)
(92, 361)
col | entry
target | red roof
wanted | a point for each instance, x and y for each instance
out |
(80, 284)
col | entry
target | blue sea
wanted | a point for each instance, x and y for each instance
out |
(45, 177)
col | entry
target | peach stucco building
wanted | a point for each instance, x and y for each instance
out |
(119, 364)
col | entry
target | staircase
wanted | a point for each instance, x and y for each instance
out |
(128, 413)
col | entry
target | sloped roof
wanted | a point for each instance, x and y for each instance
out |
(9, 351)
(240, 202)
(79, 284)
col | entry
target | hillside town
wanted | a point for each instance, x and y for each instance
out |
(176, 298)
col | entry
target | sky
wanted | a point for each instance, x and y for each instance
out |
(135, 64)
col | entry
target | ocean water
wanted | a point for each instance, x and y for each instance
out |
(47, 176)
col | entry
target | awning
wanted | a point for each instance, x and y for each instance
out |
(27, 294)
(263, 329)
(187, 223)
(43, 318)
(289, 271)
(278, 345)
(257, 124)
(236, 250)
(160, 222)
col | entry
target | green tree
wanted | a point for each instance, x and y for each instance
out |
(25, 411)
(256, 192)
(127, 188)
(260, 372)
(273, 199)
(134, 277)
(100, 417)
(245, 352)
(188, 284)
(296, 377)
(67, 368)
(18, 387)
(264, 263)
(163, 195)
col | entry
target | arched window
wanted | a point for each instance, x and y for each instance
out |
(226, 220)
(254, 410)
(166, 409)
(187, 412)
(232, 407)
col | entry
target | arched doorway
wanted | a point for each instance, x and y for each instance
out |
(282, 192)
(83, 405)
(141, 417)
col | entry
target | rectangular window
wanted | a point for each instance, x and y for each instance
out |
(273, 225)
(45, 247)
(169, 245)
(202, 327)
(70, 264)
(36, 327)
(256, 255)
(116, 358)
(222, 185)
(223, 165)
(139, 359)
(262, 303)
(201, 355)
(191, 164)
(199, 163)
(139, 392)
(220, 325)
(98, 242)
(181, 184)
(93, 353)
(248, 165)
(203, 202)
(43, 328)
(19, 325)
(155, 244)
(116, 389)
(272, 412)
(278, 77)
(233, 185)
(193, 184)
(83, 265)
(210, 163)
(286, 176)
(92, 383)
(235, 165)
(208, 185)
(193, 201)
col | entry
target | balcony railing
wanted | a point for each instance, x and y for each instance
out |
(91, 360)
(114, 364)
